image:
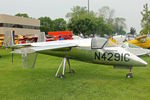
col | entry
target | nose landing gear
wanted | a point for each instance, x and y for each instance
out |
(129, 75)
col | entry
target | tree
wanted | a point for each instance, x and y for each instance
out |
(83, 25)
(77, 12)
(80, 21)
(59, 24)
(106, 13)
(46, 24)
(116, 24)
(119, 25)
(145, 22)
(22, 15)
(132, 31)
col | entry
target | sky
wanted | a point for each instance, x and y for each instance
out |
(128, 9)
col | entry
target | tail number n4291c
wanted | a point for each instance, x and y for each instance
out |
(112, 56)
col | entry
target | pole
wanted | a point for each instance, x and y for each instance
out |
(88, 6)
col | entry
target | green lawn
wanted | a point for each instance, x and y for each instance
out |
(90, 82)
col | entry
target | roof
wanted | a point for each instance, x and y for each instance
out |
(4, 18)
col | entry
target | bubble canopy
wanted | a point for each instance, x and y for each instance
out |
(99, 43)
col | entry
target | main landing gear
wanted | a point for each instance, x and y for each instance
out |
(129, 75)
(63, 66)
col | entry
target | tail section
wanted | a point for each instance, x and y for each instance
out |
(9, 40)
(29, 59)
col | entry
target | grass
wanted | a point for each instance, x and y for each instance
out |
(90, 82)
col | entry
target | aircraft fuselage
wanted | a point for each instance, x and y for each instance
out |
(109, 55)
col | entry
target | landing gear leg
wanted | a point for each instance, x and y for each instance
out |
(71, 71)
(63, 66)
(129, 75)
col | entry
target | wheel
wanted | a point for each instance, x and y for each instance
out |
(60, 76)
(72, 71)
(129, 75)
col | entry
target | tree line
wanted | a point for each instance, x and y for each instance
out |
(80, 21)
(145, 22)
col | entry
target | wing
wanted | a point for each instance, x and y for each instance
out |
(29, 54)
(35, 47)
(141, 37)
(41, 46)
(138, 51)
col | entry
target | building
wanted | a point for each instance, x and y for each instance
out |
(20, 25)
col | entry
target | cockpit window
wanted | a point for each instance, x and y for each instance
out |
(98, 43)
(111, 43)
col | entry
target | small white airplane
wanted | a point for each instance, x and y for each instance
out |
(92, 50)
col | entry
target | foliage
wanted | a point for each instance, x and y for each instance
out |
(84, 25)
(117, 24)
(46, 24)
(80, 21)
(59, 24)
(132, 31)
(145, 22)
(22, 15)
(52, 25)
(106, 13)
(77, 12)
